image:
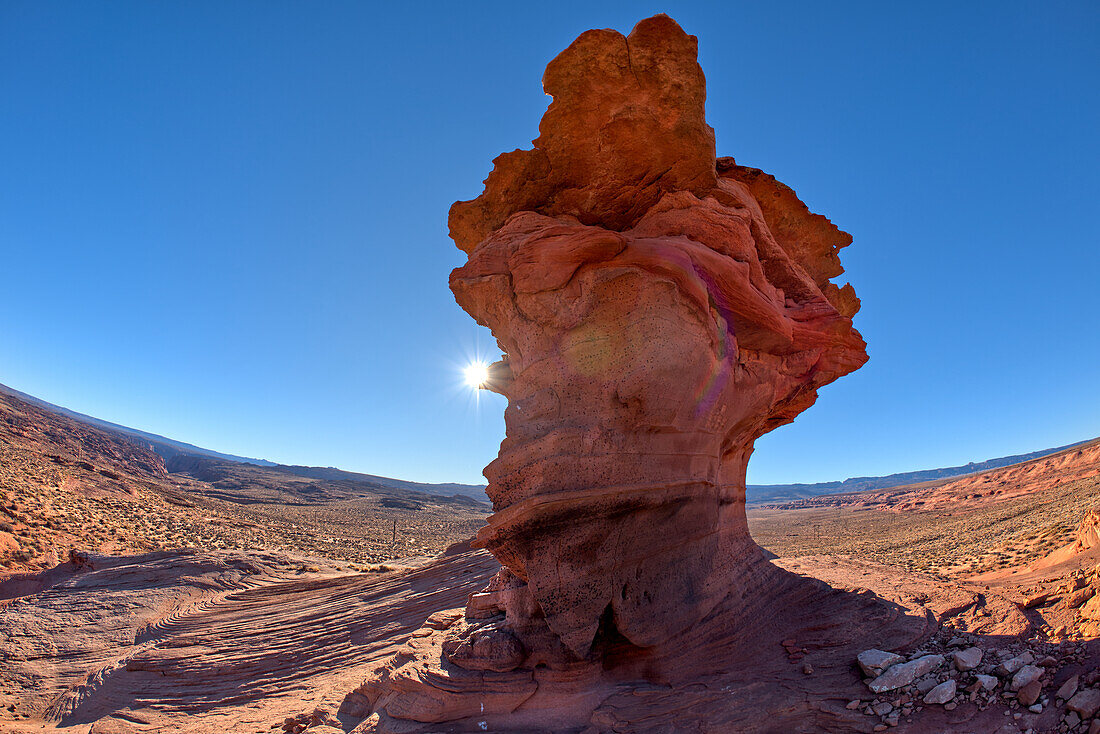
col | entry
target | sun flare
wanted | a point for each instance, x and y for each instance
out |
(477, 374)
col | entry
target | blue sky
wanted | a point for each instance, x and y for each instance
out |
(226, 222)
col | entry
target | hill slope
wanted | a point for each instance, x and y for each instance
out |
(758, 494)
(68, 485)
(169, 449)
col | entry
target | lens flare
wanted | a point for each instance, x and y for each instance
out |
(477, 374)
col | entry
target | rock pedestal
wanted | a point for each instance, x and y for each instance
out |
(659, 309)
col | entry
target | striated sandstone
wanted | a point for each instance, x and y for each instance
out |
(1088, 532)
(659, 309)
(646, 346)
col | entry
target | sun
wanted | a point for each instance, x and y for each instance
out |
(477, 374)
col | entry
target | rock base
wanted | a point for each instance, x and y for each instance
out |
(775, 655)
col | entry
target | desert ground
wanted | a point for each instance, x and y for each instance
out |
(231, 597)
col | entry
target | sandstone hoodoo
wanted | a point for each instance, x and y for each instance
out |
(659, 309)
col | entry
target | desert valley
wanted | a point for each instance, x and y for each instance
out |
(227, 596)
(658, 309)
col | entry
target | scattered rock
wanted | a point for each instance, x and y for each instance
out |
(1029, 693)
(967, 659)
(903, 674)
(987, 682)
(942, 693)
(1067, 689)
(1026, 675)
(873, 662)
(1085, 702)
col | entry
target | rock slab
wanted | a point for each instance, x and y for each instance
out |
(903, 674)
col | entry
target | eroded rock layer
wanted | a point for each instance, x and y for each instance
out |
(659, 309)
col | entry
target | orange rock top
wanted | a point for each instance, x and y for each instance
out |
(626, 126)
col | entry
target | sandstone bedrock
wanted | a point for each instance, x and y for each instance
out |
(659, 308)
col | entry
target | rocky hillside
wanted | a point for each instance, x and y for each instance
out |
(68, 485)
(760, 494)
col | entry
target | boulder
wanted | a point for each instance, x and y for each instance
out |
(1029, 693)
(1035, 600)
(1085, 703)
(942, 693)
(1010, 666)
(986, 682)
(903, 674)
(1025, 675)
(1067, 689)
(873, 662)
(967, 659)
(1079, 597)
(486, 647)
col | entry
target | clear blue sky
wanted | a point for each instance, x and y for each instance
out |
(225, 222)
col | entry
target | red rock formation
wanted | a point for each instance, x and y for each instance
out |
(1088, 532)
(659, 310)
